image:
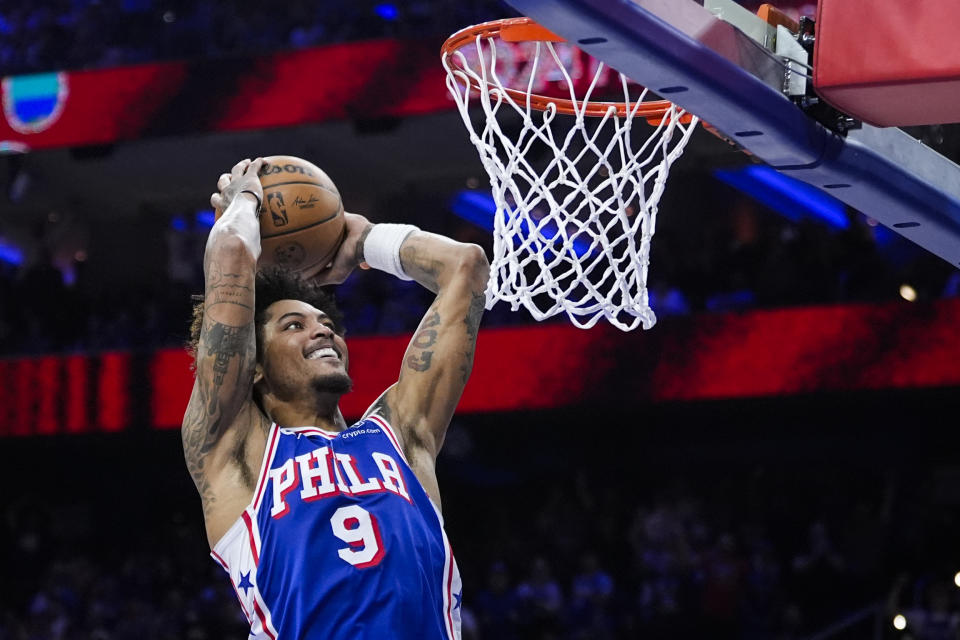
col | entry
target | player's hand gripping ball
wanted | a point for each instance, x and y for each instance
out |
(301, 221)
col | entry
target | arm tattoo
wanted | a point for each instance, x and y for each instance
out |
(420, 362)
(204, 421)
(225, 343)
(420, 267)
(477, 302)
(358, 256)
(472, 320)
(197, 442)
(427, 334)
(227, 288)
(425, 338)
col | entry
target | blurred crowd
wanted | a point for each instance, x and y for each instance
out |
(736, 258)
(602, 564)
(744, 559)
(82, 34)
(71, 574)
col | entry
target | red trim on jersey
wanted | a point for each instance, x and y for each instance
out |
(387, 429)
(223, 563)
(449, 588)
(240, 599)
(263, 619)
(253, 545)
(313, 431)
(268, 459)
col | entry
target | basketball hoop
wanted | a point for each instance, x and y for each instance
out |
(576, 194)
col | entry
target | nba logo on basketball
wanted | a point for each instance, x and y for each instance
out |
(278, 210)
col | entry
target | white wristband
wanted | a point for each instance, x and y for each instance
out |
(381, 249)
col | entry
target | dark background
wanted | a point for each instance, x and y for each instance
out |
(750, 519)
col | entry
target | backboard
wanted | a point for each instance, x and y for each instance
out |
(684, 52)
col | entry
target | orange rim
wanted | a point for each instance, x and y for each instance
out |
(526, 30)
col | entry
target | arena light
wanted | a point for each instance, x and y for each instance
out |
(479, 208)
(12, 147)
(908, 293)
(899, 622)
(788, 196)
(205, 218)
(956, 579)
(387, 11)
(10, 255)
(476, 207)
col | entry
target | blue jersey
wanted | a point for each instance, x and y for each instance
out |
(341, 541)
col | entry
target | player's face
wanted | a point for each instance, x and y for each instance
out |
(302, 351)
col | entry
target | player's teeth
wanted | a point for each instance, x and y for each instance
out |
(320, 353)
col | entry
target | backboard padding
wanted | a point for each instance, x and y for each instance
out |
(684, 53)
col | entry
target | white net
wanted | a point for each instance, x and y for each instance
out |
(576, 195)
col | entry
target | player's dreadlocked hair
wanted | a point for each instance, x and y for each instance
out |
(273, 284)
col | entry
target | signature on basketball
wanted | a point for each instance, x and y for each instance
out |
(309, 203)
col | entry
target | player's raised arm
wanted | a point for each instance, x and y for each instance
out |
(439, 358)
(226, 352)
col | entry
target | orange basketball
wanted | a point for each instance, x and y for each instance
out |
(302, 223)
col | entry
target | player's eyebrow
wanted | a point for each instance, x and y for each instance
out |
(321, 316)
(290, 313)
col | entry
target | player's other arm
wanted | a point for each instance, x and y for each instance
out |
(226, 352)
(439, 358)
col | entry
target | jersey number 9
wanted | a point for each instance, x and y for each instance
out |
(358, 528)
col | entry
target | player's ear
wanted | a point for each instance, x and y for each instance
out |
(257, 374)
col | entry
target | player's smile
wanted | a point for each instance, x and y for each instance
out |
(326, 352)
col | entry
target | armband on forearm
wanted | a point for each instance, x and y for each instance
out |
(381, 249)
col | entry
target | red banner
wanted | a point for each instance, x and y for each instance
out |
(359, 79)
(66, 394)
(750, 355)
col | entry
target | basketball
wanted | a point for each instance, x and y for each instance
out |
(302, 222)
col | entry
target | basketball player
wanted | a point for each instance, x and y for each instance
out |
(326, 530)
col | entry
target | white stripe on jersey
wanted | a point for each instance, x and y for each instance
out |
(235, 554)
(273, 435)
(452, 584)
(238, 551)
